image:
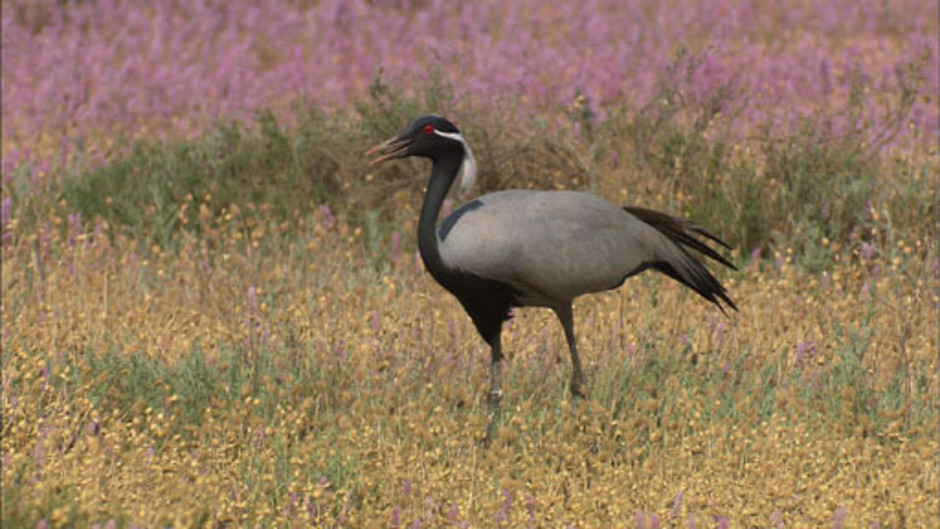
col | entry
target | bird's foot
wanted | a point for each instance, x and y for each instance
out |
(578, 388)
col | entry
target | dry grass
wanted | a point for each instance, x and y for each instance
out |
(265, 374)
(202, 364)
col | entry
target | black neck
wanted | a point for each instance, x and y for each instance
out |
(443, 173)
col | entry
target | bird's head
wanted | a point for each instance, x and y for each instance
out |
(430, 137)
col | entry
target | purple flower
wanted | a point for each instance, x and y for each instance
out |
(805, 350)
(396, 246)
(252, 299)
(838, 518)
(174, 67)
(406, 488)
(632, 348)
(677, 506)
(530, 509)
(328, 218)
(506, 508)
(75, 227)
(718, 335)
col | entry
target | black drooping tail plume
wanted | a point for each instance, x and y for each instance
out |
(683, 232)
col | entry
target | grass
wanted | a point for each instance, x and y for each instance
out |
(191, 339)
(765, 192)
(285, 170)
(274, 411)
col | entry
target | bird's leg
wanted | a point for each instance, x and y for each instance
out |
(578, 380)
(495, 396)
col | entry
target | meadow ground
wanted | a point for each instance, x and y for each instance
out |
(230, 327)
(251, 379)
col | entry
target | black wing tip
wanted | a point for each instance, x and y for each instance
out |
(717, 294)
(702, 283)
(717, 290)
(727, 300)
(681, 231)
(706, 233)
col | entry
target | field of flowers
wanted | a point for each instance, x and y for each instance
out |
(214, 315)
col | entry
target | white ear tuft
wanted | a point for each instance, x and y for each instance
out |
(468, 168)
(468, 171)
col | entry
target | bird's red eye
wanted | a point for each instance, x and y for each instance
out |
(428, 129)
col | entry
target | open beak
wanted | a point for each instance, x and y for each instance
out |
(393, 148)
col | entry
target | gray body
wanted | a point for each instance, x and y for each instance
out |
(551, 246)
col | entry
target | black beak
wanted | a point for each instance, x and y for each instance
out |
(393, 148)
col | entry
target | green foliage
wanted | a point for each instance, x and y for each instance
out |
(773, 190)
(145, 191)
(770, 191)
(159, 188)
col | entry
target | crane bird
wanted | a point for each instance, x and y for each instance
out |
(522, 248)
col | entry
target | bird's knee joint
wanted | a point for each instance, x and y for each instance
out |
(578, 388)
(495, 396)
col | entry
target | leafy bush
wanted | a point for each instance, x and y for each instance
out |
(159, 187)
(770, 190)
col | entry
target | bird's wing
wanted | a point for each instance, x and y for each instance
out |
(554, 246)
